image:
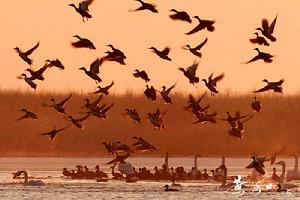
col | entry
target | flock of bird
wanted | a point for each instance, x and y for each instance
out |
(100, 110)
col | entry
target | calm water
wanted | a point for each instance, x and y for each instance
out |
(57, 187)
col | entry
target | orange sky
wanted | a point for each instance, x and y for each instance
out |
(53, 23)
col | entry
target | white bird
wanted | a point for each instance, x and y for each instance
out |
(26, 182)
(284, 186)
(293, 174)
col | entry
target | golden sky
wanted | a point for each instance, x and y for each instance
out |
(53, 23)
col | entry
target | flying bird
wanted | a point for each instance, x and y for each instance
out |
(162, 54)
(190, 73)
(28, 80)
(267, 30)
(196, 49)
(78, 122)
(38, 74)
(59, 107)
(165, 93)
(266, 57)
(141, 74)
(256, 105)
(28, 115)
(133, 114)
(104, 90)
(82, 43)
(142, 145)
(157, 119)
(150, 93)
(94, 70)
(54, 132)
(55, 63)
(24, 55)
(180, 15)
(275, 86)
(259, 40)
(211, 83)
(83, 9)
(258, 164)
(146, 6)
(203, 24)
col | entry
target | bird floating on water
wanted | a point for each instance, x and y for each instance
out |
(24, 55)
(27, 182)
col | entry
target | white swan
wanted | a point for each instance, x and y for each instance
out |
(26, 182)
(293, 174)
(284, 186)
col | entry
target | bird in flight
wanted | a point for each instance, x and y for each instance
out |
(190, 73)
(145, 6)
(203, 24)
(180, 15)
(266, 57)
(28, 115)
(211, 83)
(162, 54)
(94, 70)
(196, 49)
(275, 86)
(54, 132)
(24, 55)
(82, 43)
(267, 30)
(83, 9)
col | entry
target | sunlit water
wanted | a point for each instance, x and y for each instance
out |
(58, 187)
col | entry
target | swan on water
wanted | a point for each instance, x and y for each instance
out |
(26, 182)
(293, 174)
(284, 186)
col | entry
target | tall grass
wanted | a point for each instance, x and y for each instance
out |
(276, 126)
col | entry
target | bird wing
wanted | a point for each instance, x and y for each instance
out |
(62, 103)
(109, 86)
(83, 118)
(97, 101)
(61, 129)
(279, 83)
(266, 88)
(253, 59)
(265, 24)
(218, 78)
(108, 108)
(42, 69)
(95, 65)
(192, 69)
(166, 51)
(85, 4)
(196, 29)
(27, 53)
(169, 89)
(201, 45)
(272, 26)
(247, 118)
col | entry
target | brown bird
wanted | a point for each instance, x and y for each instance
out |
(195, 106)
(204, 117)
(196, 49)
(94, 70)
(267, 30)
(256, 105)
(165, 93)
(150, 93)
(28, 115)
(37, 74)
(94, 104)
(203, 24)
(59, 107)
(236, 131)
(141, 74)
(259, 40)
(142, 145)
(54, 132)
(78, 122)
(83, 9)
(133, 114)
(180, 15)
(211, 83)
(28, 80)
(267, 58)
(258, 164)
(104, 90)
(275, 86)
(190, 73)
(146, 6)
(24, 55)
(162, 54)
(55, 63)
(83, 43)
(157, 119)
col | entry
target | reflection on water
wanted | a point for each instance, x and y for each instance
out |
(61, 188)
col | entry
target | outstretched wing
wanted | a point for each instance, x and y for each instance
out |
(83, 118)
(62, 103)
(61, 129)
(253, 59)
(95, 65)
(196, 29)
(166, 51)
(218, 78)
(265, 24)
(27, 53)
(201, 45)
(192, 69)
(279, 83)
(169, 89)
(272, 26)
(42, 69)
(97, 101)
(266, 88)
(85, 4)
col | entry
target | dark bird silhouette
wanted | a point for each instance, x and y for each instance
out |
(267, 30)
(142, 145)
(211, 83)
(190, 73)
(180, 15)
(94, 70)
(28, 115)
(37, 74)
(195, 106)
(94, 104)
(196, 49)
(78, 122)
(168, 189)
(256, 105)
(237, 131)
(275, 86)
(157, 119)
(141, 74)
(100, 112)
(133, 114)
(28, 80)
(24, 55)
(59, 107)
(165, 93)
(267, 58)
(162, 54)
(83, 9)
(203, 24)
(82, 43)
(54, 132)
(232, 121)
(258, 164)
(116, 52)
(150, 93)
(203, 117)
(259, 40)
(55, 63)
(146, 6)
(104, 90)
